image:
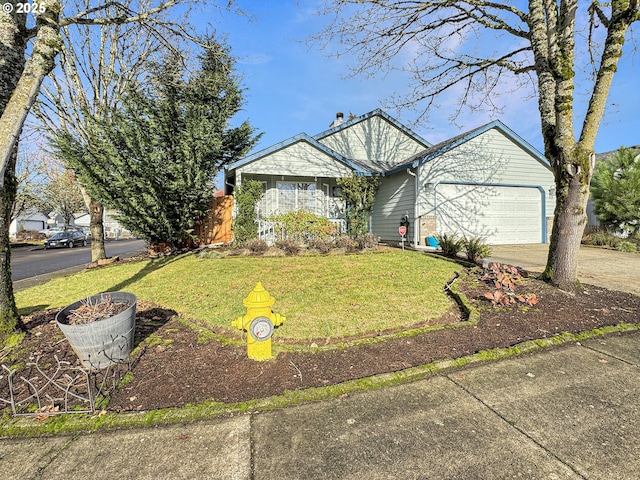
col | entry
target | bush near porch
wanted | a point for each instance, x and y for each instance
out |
(322, 297)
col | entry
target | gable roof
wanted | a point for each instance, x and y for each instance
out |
(301, 137)
(443, 147)
(374, 113)
(367, 167)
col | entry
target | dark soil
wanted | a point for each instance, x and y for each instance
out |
(181, 370)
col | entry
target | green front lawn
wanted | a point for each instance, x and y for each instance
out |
(329, 296)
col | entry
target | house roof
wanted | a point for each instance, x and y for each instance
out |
(374, 113)
(377, 167)
(359, 166)
(604, 155)
(443, 147)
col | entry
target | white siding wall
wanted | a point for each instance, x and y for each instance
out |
(489, 158)
(394, 199)
(373, 139)
(300, 159)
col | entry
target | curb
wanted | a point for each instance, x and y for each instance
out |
(65, 424)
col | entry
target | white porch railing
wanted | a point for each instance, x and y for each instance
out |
(268, 232)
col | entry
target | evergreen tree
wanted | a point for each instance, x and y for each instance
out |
(155, 159)
(359, 194)
(244, 224)
(616, 191)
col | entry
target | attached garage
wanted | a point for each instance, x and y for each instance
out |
(487, 183)
(501, 214)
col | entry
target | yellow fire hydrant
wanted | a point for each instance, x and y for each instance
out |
(259, 322)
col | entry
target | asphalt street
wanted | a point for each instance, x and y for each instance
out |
(28, 263)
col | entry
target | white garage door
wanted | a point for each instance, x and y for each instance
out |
(501, 215)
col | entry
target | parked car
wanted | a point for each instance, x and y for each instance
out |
(68, 239)
(49, 232)
(86, 231)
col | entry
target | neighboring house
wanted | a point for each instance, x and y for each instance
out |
(112, 227)
(28, 221)
(57, 221)
(38, 221)
(488, 182)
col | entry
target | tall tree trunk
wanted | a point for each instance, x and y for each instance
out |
(22, 91)
(96, 215)
(12, 63)
(570, 219)
(572, 161)
(9, 317)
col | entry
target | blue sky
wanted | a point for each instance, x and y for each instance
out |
(292, 88)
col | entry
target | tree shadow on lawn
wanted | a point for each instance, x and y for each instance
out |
(152, 265)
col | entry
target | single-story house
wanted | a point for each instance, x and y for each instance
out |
(488, 182)
(112, 226)
(31, 220)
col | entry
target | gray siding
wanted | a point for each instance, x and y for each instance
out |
(394, 199)
(593, 222)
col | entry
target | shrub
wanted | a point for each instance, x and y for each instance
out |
(274, 252)
(450, 244)
(289, 246)
(323, 245)
(303, 225)
(476, 248)
(601, 238)
(627, 247)
(368, 240)
(256, 246)
(359, 194)
(615, 188)
(346, 242)
(26, 235)
(244, 224)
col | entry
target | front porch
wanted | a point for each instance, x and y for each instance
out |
(283, 193)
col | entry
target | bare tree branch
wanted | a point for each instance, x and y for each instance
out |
(482, 48)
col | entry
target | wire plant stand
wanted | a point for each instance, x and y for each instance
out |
(59, 387)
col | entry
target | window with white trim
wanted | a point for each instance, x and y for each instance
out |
(296, 196)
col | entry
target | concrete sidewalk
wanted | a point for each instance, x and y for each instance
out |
(569, 412)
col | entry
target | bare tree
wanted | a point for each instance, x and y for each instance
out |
(96, 66)
(29, 44)
(30, 180)
(61, 195)
(477, 47)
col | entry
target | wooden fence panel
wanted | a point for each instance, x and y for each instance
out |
(216, 228)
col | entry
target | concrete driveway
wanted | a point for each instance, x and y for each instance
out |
(604, 268)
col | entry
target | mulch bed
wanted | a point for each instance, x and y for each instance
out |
(185, 371)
